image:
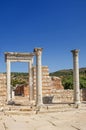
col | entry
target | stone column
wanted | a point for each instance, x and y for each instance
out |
(76, 77)
(38, 53)
(8, 82)
(31, 90)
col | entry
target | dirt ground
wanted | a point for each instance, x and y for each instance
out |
(66, 120)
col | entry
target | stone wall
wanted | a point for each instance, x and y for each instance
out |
(63, 96)
(83, 94)
(67, 95)
(48, 83)
(56, 83)
(46, 80)
(22, 90)
(2, 88)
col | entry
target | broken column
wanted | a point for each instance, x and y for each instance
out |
(38, 53)
(76, 77)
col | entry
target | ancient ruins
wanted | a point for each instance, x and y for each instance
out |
(41, 89)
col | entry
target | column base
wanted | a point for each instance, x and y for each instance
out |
(77, 104)
(39, 107)
(10, 102)
(32, 102)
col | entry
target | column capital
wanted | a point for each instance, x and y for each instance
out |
(75, 51)
(38, 51)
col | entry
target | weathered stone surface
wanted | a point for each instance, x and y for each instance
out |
(14, 56)
(2, 89)
(48, 83)
(83, 94)
(22, 90)
(56, 83)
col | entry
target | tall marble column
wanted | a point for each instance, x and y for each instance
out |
(8, 82)
(31, 91)
(38, 53)
(76, 77)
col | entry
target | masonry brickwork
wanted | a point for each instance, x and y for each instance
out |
(2, 88)
(22, 90)
(48, 83)
(67, 95)
(56, 83)
(46, 80)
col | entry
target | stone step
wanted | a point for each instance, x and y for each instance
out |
(43, 109)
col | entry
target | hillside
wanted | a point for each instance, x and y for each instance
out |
(62, 73)
(67, 77)
(67, 72)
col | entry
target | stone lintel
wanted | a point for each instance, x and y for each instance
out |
(16, 56)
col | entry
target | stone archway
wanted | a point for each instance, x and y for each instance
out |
(18, 57)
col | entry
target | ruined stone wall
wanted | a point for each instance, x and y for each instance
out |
(83, 94)
(2, 88)
(67, 95)
(63, 95)
(22, 90)
(56, 83)
(26, 90)
(48, 83)
(46, 80)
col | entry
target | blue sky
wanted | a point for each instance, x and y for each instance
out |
(57, 26)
